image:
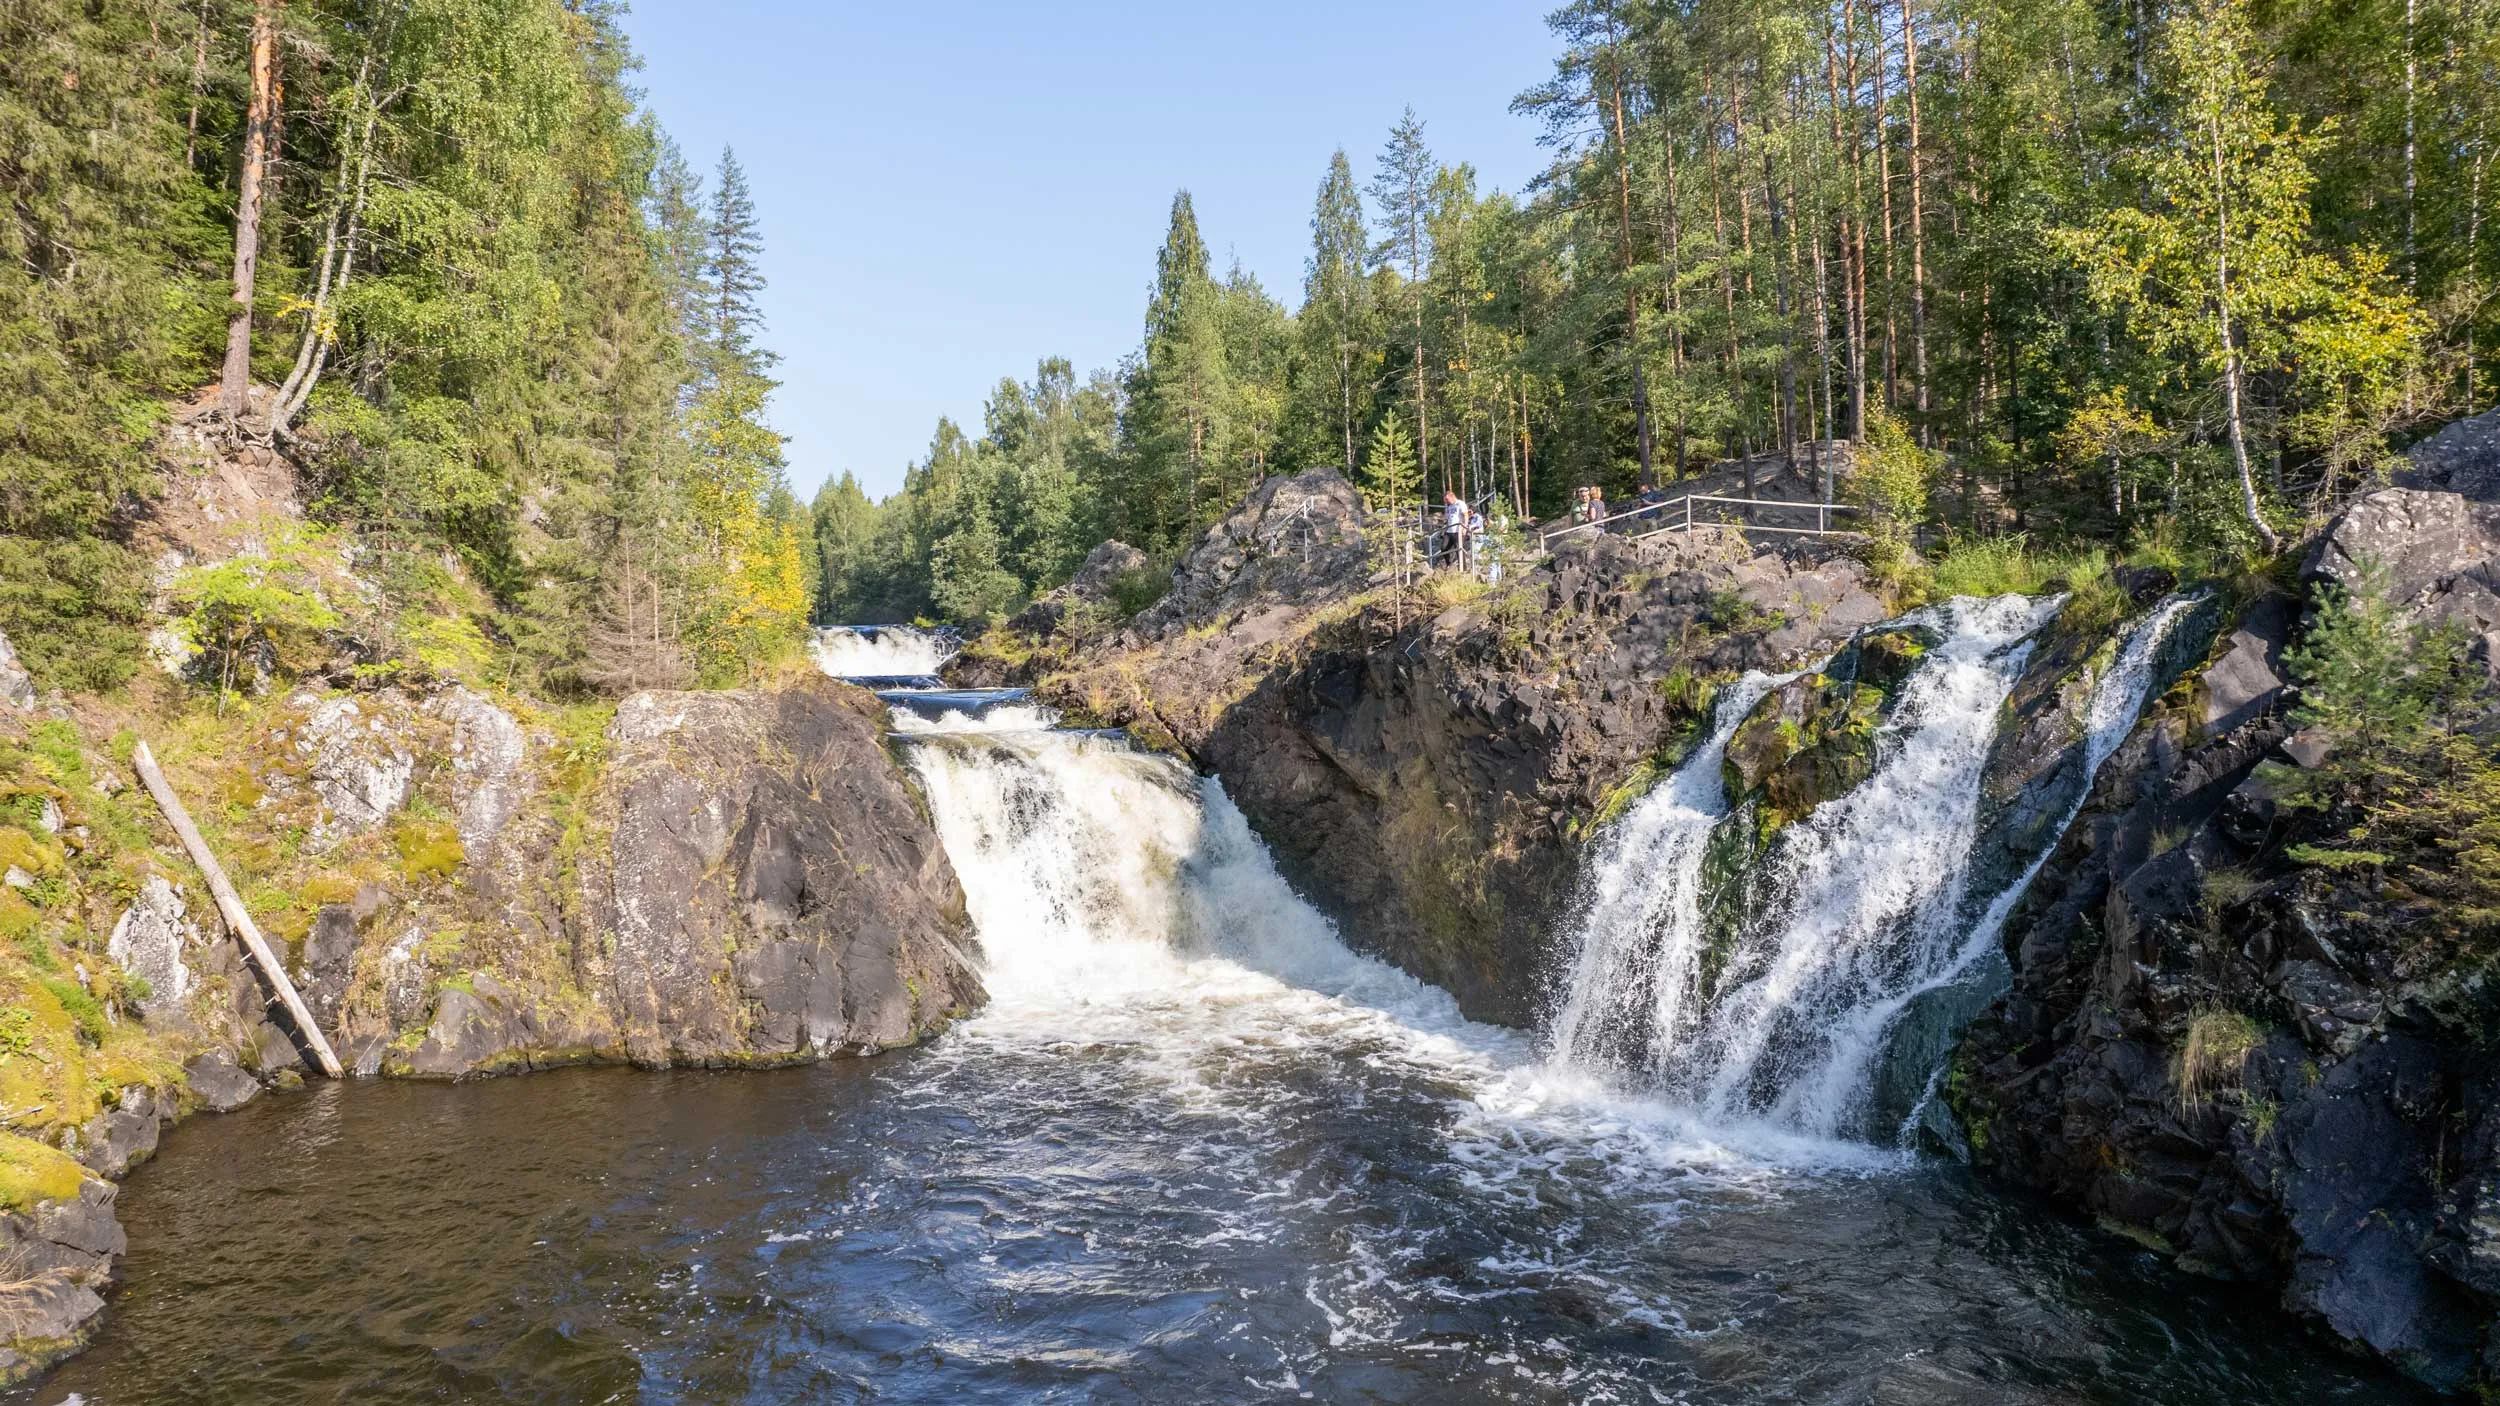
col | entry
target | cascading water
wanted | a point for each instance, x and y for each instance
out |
(1852, 914)
(1192, 1149)
(882, 651)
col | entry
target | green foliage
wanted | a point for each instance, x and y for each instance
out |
(83, 1009)
(262, 605)
(1389, 478)
(2408, 786)
(1892, 479)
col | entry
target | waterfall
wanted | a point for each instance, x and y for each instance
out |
(882, 651)
(1850, 915)
(1640, 911)
(1111, 884)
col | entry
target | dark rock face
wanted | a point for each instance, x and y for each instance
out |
(2343, 1143)
(771, 889)
(1423, 769)
(219, 1083)
(59, 1256)
(2440, 553)
(1091, 587)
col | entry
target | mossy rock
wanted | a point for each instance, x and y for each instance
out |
(32, 1172)
(1812, 739)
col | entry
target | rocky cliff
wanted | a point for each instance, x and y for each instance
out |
(2269, 1067)
(1425, 757)
(459, 885)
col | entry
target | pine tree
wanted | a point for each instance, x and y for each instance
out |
(1402, 186)
(1336, 300)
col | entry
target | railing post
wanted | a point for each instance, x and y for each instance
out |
(1688, 514)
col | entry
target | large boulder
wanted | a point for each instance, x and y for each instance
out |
(489, 783)
(151, 940)
(2439, 554)
(2462, 458)
(359, 766)
(1295, 541)
(771, 889)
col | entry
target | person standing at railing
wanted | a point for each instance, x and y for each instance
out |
(1597, 504)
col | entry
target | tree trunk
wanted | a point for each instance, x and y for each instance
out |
(1631, 295)
(235, 386)
(1918, 219)
(2229, 348)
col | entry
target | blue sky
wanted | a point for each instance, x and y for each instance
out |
(951, 192)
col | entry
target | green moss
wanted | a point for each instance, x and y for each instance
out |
(82, 1008)
(428, 848)
(32, 1173)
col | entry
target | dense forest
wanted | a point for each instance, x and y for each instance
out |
(2183, 268)
(435, 254)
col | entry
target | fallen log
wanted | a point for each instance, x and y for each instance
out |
(230, 903)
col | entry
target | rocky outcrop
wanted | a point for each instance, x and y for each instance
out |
(60, 1254)
(2274, 1070)
(2439, 555)
(772, 891)
(2462, 458)
(1812, 738)
(151, 942)
(1424, 762)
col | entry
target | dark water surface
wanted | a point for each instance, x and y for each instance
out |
(998, 1222)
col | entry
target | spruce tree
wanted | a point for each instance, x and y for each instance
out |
(1402, 186)
(1336, 300)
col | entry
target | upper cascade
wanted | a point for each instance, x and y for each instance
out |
(882, 651)
(1767, 986)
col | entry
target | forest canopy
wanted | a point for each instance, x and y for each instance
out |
(2182, 270)
(2185, 269)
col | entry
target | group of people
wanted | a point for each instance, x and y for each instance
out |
(1590, 504)
(1462, 530)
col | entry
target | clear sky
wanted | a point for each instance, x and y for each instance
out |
(951, 192)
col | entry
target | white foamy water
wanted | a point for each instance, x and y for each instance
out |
(881, 651)
(1122, 900)
(1639, 915)
(1855, 912)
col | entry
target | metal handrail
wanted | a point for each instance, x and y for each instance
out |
(1822, 514)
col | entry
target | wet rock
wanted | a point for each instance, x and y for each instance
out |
(1812, 739)
(150, 941)
(470, 1034)
(219, 1083)
(123, 1136)
(329, 963)
(17, 687)
(80, 1236)
(358, 769)
(44, 1318)
(489, 784)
